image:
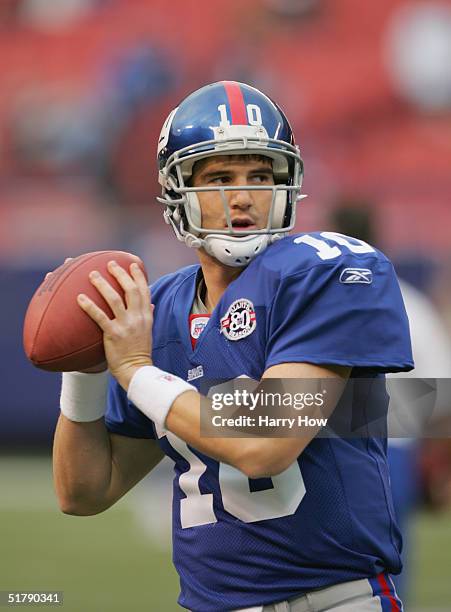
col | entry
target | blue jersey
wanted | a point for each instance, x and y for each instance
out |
(318, 298)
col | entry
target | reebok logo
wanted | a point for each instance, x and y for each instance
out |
(356, 275)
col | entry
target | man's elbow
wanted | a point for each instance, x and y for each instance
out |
(80, 507)
(264, 469)
(263, 464)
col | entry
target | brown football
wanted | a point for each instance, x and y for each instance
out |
(58, 335)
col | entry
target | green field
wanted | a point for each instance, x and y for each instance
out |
(111, 562)
(101, 563)
(431, 559)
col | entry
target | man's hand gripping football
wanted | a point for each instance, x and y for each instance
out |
(128, 337)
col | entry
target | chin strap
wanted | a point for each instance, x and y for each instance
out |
(236, 252)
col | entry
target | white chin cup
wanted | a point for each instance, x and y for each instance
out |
(235, 252)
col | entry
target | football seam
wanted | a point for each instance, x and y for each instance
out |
(48, 306)
(84, 348)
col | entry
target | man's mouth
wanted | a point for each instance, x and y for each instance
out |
(243, 223)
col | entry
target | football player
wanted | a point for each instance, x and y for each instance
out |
(287, 523)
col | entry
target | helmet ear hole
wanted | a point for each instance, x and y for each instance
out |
(287, 218)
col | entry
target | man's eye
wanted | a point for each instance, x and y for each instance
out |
(219, 180)
(261, 178)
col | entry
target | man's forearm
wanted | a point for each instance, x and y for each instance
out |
(256, 457)
(93, 468)
(82, 466)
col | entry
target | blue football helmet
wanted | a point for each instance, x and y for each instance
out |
(227, 118)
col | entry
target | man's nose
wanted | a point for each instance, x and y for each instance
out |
(241, 199)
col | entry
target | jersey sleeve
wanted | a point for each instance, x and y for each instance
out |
(122, 417)
(318, 318)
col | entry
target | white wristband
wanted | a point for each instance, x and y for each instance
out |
(83, 396)
(154, 391)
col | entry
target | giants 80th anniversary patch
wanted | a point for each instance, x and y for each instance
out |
(239, 320)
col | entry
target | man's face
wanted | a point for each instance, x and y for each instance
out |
(248, 209)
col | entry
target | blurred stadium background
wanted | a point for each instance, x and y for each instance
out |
(85, 86)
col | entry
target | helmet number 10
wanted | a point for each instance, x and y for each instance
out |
(254, 114)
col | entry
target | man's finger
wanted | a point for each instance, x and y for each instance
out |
(110, 295)
(132, 294)
(141, 282)
(94, 312)
(65, 261)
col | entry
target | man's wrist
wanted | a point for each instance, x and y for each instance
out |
(153, 391)
(125, 374)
